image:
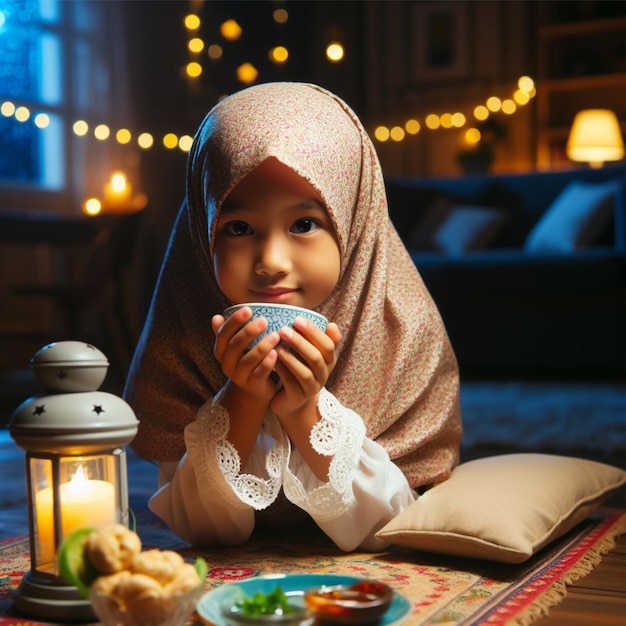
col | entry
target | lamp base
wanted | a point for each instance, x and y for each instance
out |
(42, 598)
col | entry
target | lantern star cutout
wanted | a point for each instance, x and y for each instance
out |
(39, 409)
(98, 409)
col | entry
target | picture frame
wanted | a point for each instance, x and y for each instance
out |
(440, 34)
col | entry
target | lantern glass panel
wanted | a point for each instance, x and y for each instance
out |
(69, 493)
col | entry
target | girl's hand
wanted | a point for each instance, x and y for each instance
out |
(304, 369)
(249, 371)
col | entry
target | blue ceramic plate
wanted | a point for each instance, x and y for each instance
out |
(211, 603)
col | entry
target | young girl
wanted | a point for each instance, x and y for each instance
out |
(286, 203)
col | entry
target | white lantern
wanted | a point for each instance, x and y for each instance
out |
(75, 468)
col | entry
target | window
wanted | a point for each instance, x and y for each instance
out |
(55, 69)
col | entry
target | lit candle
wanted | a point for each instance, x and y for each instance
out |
(118, 193)
(84, 503)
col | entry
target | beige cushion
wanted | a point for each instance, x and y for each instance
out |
(504, 508)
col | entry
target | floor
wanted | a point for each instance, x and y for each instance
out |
(599, 598)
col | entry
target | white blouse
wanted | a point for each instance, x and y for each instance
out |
(206, 499)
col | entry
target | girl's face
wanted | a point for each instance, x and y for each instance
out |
(274, 241)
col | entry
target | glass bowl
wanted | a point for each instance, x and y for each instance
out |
(362, 602)
(146, 610)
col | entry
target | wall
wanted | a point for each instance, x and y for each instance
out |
(494, 47)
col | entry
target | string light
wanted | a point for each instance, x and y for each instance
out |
(230, 30)
(192, 22)
(195, 45)
(334, 52)
(522, 95)
(278, 55)
(22, 114)
(42, 120)
(247, 73)
(102, 132)
(280, 16)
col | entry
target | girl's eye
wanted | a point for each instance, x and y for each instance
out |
(237, 229)
(305, 225)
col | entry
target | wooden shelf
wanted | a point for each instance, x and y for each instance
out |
(586, 27)
(584, 83)
(579, 66)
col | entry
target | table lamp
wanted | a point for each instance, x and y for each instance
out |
(595, 137)
(75, 468)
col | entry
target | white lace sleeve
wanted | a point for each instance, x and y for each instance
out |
(339, 433)
(218, 465)
(365, 489)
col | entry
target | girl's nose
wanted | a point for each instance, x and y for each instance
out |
(274, 256)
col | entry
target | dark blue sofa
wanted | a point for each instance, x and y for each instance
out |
(510, 311)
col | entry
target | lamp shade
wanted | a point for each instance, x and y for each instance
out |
(595, 137)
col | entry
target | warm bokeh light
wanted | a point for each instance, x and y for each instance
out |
(22, 114)
(92, 206)
(170, 141)
(446, 120)
(412, 127)
(508, 107)
(279, 54)
(397, 133)
(521, 97)
(101, 132)
(458, 120)
(123, 136)
(42, 120)
(184, 143)
(471, 136)
(334, 52)
(145, 140)
(80, 128)
(7, 109)
(247, 73)
(481, 112)
(215, 51)
(195, 45)
(432, 121)
(494, 104)
(193, 69)
(381, 133)
(280, 16)
(526, 83)
(192, 22)
(230, 30)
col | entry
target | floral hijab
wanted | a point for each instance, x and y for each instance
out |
(396, 367)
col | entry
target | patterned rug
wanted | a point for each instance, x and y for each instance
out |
(442, 590)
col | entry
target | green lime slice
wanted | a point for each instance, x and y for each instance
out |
(201, 568)
(74, 565)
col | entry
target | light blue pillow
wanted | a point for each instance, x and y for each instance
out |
(575, 219)
(467, 228)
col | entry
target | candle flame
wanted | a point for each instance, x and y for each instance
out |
(118, 182)
(78, 484)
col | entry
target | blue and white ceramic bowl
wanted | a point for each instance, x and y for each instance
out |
(278, 316)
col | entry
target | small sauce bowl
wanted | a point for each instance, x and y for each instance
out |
(360, 603)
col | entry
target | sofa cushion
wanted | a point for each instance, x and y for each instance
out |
(576, 219)
(504, 508)
(454, 228)
(468, 228)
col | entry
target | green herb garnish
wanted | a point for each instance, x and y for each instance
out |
(272, 603)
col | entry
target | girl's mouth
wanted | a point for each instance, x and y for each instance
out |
(281, 295)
